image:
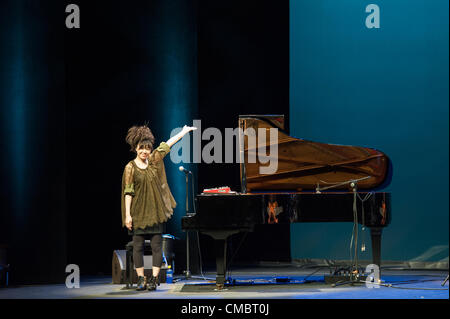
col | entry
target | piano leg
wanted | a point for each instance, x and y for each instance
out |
(220, 246)
(375, 233)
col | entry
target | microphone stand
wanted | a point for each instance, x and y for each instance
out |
(354, 272)
(354, 276)
(187, 272)
(444, 282)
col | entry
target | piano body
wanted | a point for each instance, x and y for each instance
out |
(314, 182)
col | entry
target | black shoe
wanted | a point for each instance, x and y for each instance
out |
(153, 282)
(142, 283)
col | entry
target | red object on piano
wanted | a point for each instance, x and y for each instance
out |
(218, 190)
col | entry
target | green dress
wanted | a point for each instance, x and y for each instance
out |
(152, 203)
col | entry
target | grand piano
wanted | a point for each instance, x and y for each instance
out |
(313, 182)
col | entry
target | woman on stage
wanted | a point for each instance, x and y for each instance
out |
(147, 202)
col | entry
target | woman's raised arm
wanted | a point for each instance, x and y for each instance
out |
(186, 129)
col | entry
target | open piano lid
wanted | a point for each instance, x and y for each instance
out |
(306, 165)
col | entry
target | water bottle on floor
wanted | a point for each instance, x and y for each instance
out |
(169, 276)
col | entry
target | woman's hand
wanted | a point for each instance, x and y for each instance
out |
(187, 129)
(129, 222)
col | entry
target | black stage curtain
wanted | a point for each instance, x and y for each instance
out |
(243, 68)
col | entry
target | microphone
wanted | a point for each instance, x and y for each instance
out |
(182, 169)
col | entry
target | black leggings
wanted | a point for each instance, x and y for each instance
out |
(138, 250)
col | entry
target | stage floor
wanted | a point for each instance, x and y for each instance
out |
(251, 283)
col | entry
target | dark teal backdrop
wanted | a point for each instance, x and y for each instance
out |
(67, 99)
(32, 141)
(384, 88)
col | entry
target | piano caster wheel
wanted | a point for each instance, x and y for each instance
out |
(219, 287)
